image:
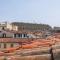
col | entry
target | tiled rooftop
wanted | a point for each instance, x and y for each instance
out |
(17, 40)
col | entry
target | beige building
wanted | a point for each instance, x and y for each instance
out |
(9, 43)
(8, 26)
(12, 27)
(6, 43)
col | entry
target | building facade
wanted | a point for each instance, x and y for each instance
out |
(8, 26)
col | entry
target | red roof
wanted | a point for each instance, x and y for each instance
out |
(15, 40)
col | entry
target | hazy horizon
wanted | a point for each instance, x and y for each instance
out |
(31, 11)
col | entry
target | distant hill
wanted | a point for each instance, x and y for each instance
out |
(32, 26)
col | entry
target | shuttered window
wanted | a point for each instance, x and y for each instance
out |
(5, 45)
(12, 45)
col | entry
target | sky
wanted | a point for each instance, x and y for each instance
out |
(32, 11)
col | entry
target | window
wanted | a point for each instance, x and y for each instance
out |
(20, 35)
(14, 35)
(0, 31)
(4, 35)
(25, 35)
(12, 45)
(0, 45)
(4, 45)
(3, 28)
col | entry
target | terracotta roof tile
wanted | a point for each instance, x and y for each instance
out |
(15, 40)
